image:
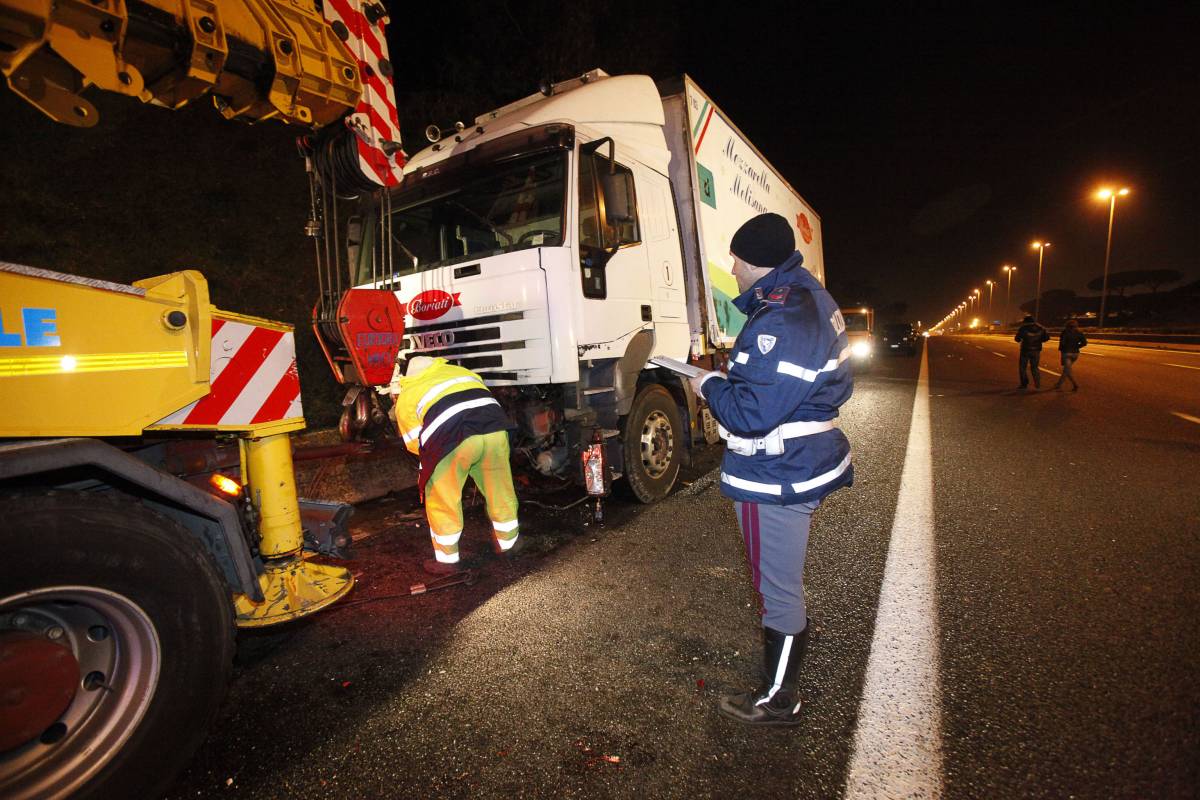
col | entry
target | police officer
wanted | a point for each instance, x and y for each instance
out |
(788, 375)
(447, 417)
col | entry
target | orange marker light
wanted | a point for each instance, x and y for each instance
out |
(225, 485)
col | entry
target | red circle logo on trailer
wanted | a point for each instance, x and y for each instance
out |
(806, 230)
(432, 304)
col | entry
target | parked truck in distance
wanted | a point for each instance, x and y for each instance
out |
(860, 332)
(561, 241)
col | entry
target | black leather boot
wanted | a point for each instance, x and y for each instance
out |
(776, 701)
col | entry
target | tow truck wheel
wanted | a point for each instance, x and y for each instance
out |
(653, 440)
(116, 642)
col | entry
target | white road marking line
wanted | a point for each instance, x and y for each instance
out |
(1097, 355)
(977, 347)
(1183, 366)
(1188, 417)
(898, 741)
(993, 352)
(1052, 372)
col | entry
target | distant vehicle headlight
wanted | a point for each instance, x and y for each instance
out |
(860, 349)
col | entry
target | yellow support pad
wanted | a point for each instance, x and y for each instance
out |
(292, 586)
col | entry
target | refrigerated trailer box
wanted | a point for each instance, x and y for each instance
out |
(561, 241)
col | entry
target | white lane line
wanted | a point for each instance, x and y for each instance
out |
(898, 742)
(1188, 417)
(993, 352)
(977, 347)
(1090, 353)
(1183, 366)
(1052, 372)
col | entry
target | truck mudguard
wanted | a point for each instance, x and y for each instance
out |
(227, 543)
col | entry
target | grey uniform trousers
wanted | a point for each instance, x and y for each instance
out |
(776, 539)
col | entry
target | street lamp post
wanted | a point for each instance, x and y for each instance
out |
(1037, 301)
(991, 284)
(1111, 196)
(1008, 294)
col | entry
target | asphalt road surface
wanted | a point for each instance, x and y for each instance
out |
(1033, 632)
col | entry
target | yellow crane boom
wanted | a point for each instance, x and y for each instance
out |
(259, 59)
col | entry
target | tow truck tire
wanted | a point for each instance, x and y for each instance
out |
(137, 592)
(653, 443)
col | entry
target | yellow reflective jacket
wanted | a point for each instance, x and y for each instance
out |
(441, 406)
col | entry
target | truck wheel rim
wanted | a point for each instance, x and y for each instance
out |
(658, 444)
(119, 656)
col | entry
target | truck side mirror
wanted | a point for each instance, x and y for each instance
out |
(603, 185)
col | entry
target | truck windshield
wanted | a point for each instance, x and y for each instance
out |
(856, 322)
(484, 211)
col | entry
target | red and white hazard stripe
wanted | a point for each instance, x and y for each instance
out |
(375, 116)
(252, 379)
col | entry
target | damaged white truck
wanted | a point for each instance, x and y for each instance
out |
(560, 242)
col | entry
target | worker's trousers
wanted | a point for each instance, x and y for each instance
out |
(776, 539)
(483, 458)
(1030, 360)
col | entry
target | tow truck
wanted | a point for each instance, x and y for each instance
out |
(124, 582)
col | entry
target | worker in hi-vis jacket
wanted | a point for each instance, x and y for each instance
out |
(788, 375)
(448, 418)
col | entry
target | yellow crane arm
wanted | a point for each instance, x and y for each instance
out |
(259, 59)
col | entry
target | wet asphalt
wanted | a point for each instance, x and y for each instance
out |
(1066, 529)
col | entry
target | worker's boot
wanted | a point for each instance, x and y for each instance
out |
(519, 547)
(776, 702)
(435, 567)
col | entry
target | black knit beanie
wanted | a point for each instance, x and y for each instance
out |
(764, 241)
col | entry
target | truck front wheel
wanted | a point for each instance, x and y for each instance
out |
(116, 642)
(653, 440)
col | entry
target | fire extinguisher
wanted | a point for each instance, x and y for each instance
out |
(595, 472)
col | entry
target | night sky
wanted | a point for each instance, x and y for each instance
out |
(935, 145)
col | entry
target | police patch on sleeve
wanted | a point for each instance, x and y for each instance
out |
(765, 342)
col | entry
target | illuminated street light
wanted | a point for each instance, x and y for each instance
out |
(991, 284)
(1111, 196)
(1037, 300)
(1008, 294)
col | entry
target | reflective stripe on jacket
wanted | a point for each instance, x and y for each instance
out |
(790, 364)
(441, 406)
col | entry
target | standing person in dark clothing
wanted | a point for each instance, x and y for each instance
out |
(789, 374)
(1031, 336)
(1069, 344)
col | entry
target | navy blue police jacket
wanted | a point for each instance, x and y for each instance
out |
(788, 374)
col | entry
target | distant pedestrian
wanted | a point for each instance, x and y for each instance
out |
(1070, 342)
(1031, 336)
(788, 376)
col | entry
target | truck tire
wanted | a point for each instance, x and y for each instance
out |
(653, 441)
(143, 622)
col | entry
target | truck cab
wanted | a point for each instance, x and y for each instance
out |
(541, 250)
(860, 331)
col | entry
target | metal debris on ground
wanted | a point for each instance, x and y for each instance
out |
(592, 758)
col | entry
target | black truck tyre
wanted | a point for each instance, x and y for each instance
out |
(149, 622)
(653, 442)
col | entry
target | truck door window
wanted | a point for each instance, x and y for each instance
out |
(608, 217)
(613, 188)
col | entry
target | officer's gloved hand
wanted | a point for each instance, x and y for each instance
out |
(697, 381)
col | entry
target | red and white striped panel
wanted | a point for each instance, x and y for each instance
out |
(375, 116)
(252, 379)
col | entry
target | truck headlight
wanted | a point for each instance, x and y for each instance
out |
(860, 349)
